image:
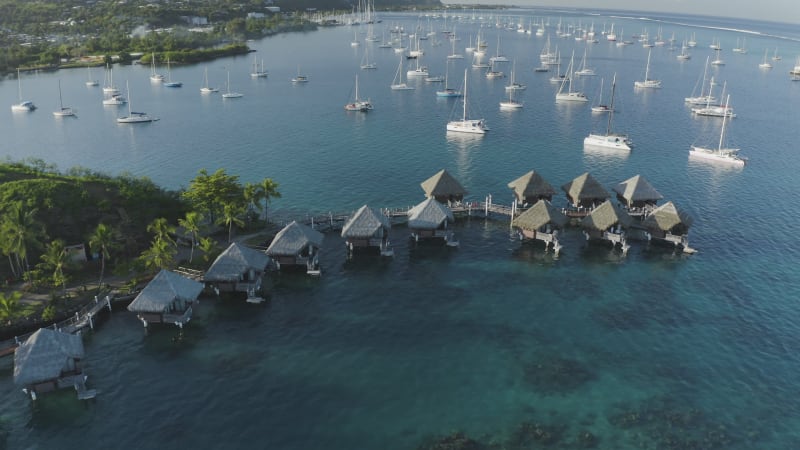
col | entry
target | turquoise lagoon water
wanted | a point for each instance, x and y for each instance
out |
(496, 338)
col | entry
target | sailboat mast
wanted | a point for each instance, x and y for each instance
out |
(724, 116)
(647, 67)
(464, 116)
(60, 100)
(611, 106)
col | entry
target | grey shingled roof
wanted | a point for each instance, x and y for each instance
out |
(365, 222)
(605, 216)
(442, 184)
(236, 260)
(539, 214)
(428, 215)
(162, 290)
(666, 217)
(44, 355)
(585, 187)
(293, 238)
(531, 185)
(637, 189)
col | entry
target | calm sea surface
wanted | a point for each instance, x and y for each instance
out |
(495, 338)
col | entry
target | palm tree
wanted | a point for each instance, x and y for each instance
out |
(10, 306)
(162, 229)
(191, 225)
(160, 255)
(231, 215)
(22, 228)
(100, 241)
(208, 246)
(55, 259)
(268, 189)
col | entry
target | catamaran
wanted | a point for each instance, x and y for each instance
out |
(765, 64)
(258, 71)
(512, 84)
(585, 71)
(206, 89)
(719, 154)
(474, 126)
(703, 98)
(610, 140)
(228, 93)
(600, 107)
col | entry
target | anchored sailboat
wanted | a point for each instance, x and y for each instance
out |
(610, 140)
(719, 154)
(474, 126)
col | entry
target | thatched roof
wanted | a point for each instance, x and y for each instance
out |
(531, 185)
(428, 215)
(442, 184)
(166, 288)
(293, 238)
(666, 217)
(365, 222)
(543, 212)
(44, 355)
(585, 187)
(236, 260)
(605, 216)
(637, 189)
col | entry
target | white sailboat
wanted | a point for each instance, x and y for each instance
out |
(740, 49)
(420, 71)
(510, 103)
(62, 111)
(585, 71)
(765, 64)
(647, 83)
(258, 71)
(91, 82)
(600, 107)
(714, 110)
(155, 77)
(609, 140)
(453, 54)
(513, 85)
(358, 104)
(228, 93)
(684, 54)
(703, 98)
(558, 77)
(23, 105)
(398, 84)
(493, 73)
(720, 155)
(109, 88)
(206, 89)
(169, 82)
(498, 57)
(134, 117)
(299, 79)
(448, 91)
(366, 64)
(473, 126)
(570, 95)
(717, 60)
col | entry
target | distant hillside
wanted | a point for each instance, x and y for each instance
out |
(294, 5)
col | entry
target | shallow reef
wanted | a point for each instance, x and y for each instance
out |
(555, 374)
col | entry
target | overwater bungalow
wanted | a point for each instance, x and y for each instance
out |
(541, 222)
(368, 228)
(167, 298)
(584, 193)
(297, 245)
(530, 188)
(607, 222)
(429, 220)
(638, 196)
(444, 188)
(50, 360)
(238, 269)
(669, 224)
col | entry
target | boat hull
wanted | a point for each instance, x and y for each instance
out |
(467, 126)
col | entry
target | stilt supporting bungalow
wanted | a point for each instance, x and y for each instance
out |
(368, 228)
(167, 298)
(429, 220)
(541, 222)
(607, 222)
(297, 245)
(669, 224)
(238, 269)
(50, 360)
